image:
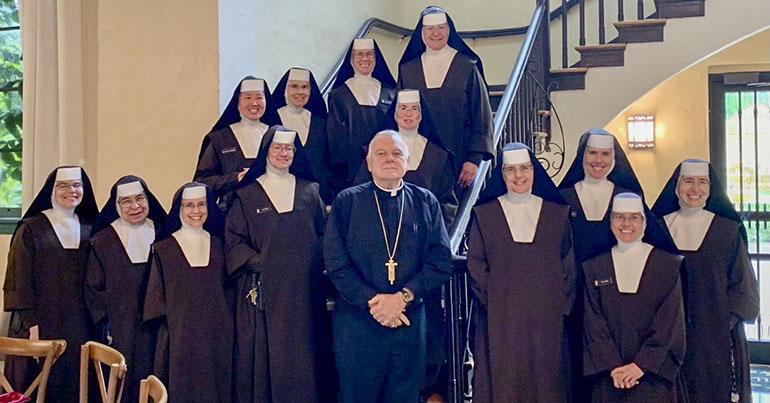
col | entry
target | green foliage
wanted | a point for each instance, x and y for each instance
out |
(10, 106)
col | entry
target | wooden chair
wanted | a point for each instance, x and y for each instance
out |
(154, 388)
(50, 349)
(101, 354)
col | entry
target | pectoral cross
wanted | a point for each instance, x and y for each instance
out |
(253, 294)
(391, 265)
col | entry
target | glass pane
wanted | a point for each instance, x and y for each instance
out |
(731, 145)
(10, 149)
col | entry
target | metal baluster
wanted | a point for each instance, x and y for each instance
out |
(564, 34)
(640, 9)
(620, 10)
(582, 22)
(601, 22)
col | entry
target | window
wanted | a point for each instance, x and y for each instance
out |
(740, 140)
(10, 115)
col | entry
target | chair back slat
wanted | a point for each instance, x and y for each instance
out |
(100, 354)
(50, 349)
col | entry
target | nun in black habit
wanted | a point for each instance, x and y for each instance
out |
(599, 171)
(430, 164)
(634, 315)
(44, 278)
(117, 271)
(274, 261)
(522, 273)
(186, 300)
(358, 103)
(232, 144)
(301, 108)
(450, 76)
(721, 291)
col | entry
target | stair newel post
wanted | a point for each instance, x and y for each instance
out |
(582, 22)
(601, 22)
(564, 34)
(640, 9)
(620, 10)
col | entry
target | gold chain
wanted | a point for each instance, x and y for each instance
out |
(384, 232)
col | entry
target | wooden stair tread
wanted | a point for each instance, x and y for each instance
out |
(641, 23)
(570, 70)
(608, 46)
(496, 93)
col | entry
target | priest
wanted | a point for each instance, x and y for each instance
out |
(721, 290)
(43, 282)
(385, 248)
(117, 271)
(451, 78)
(358, 102)
(520, 251)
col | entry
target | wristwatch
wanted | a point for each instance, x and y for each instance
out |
(407, 295)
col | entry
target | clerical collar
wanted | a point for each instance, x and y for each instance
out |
(629, 260)
(393, 192)
(136, 238)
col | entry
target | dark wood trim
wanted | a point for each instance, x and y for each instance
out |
(568, 79)
(680, 8)
(602, 55)
(717, 126)
(640, 31)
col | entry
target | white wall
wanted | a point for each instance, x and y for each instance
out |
(610, 90)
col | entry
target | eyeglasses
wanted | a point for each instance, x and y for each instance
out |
(73, 185)
(279, 149)
(364, 55)
(129, 201)
(192, 205)
(635, 218)
(525, 169)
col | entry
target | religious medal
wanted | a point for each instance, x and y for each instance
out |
(391, 264)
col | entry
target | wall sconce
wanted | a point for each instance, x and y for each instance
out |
(641, 131)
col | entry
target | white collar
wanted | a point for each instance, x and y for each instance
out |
(279, 185)
(365, 88)
(522, 212)
(628, 261)
(195, 243)
(595, 196)
(249, 135)
(435, 65)
(65, 224)
(688, 226)
(393, 192)
(136, 239)
(415, 143)
(297, 119)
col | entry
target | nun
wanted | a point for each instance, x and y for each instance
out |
(44, 278)
(599, 172)
(274, 262)
(117, 271)
(359, 100)
(232, 144)
(430, 164)
(721, 291)
(520, 251)
(301, 108)
(451, 78)
(634, 316)
(188, 263)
